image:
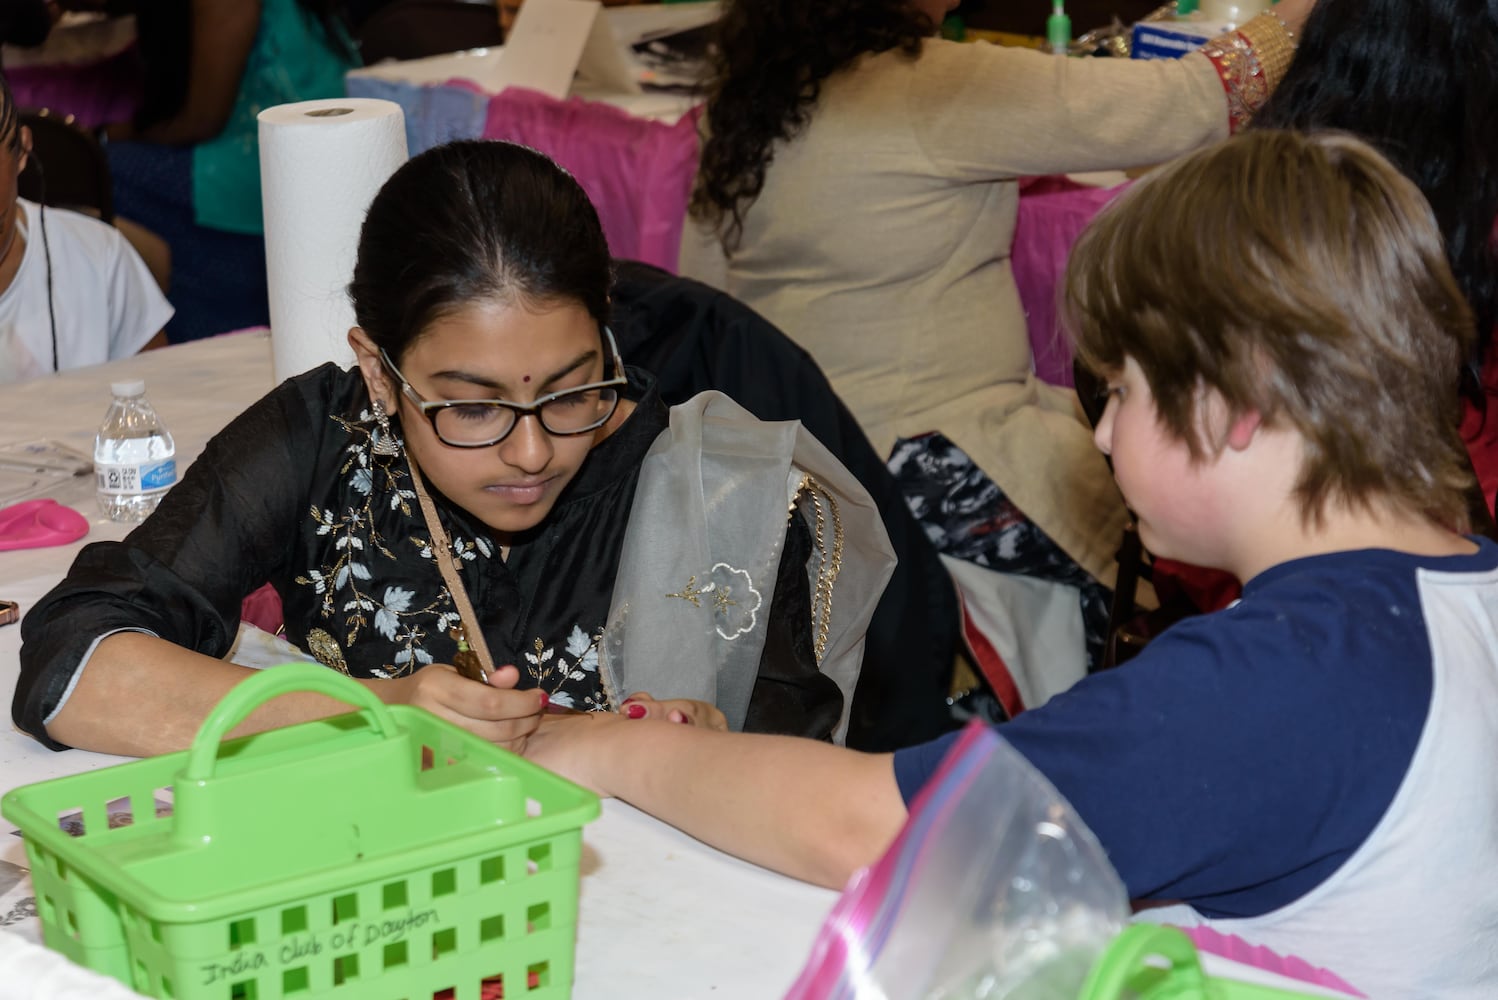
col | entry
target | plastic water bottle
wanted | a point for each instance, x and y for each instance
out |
(134, 458)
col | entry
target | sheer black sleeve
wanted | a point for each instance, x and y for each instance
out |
(791, 695)
(228, 526)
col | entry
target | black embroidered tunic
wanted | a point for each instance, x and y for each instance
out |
(291, 493)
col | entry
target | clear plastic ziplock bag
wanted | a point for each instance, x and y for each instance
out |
(994, 890)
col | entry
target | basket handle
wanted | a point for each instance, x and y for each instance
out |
(271, 683)
(1127, 956)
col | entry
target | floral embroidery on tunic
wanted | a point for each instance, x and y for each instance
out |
(352, 604)
(579, 662)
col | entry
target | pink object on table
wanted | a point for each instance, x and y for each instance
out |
(1231, 946)
(262, 609)
(637, 172)
(93, 93)
(1053, 211)
(36, 524)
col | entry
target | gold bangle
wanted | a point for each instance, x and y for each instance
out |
(1273, 42)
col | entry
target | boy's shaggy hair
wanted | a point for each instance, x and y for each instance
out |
(1303, 278)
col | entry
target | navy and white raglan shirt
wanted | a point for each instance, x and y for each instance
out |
(1310, 769)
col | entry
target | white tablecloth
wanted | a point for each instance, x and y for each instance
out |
(661, 915)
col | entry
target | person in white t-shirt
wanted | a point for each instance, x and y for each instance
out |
(73, 292)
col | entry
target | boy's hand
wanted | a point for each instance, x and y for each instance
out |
(494, 711)
(685, 711)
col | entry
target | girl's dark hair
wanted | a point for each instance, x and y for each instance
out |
(768, 66)
(475, 221)
(1418, 79)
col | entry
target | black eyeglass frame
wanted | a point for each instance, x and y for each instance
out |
(430, 409)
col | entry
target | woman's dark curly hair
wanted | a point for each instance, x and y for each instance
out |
(770, 60)
(1418, 79)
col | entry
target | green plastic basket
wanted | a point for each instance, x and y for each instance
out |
(1156, 962)
(384, 855)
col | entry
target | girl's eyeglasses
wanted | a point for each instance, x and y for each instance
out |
(479, 423)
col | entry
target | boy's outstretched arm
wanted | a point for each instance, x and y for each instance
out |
(811, 810)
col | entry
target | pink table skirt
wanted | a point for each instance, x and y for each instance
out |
(638, 173)
(93, 93)
(1053, 211)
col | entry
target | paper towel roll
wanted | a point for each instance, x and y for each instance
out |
(321, 163)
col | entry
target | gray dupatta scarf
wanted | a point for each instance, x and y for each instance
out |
(698, 568)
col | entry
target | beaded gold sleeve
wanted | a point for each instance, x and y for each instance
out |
(1250, 63)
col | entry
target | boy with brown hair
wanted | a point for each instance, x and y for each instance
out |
(1281, 336)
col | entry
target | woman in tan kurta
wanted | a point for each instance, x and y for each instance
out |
(868, 211)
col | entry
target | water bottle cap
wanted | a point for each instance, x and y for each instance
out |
(130, 389)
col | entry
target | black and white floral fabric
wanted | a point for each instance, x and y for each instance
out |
(967, 516)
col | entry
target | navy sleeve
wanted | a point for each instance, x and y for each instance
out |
(1239, 760)
(915, 765)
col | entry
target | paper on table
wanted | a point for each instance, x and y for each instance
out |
(604, 61)
(554, 40)
(43, 468)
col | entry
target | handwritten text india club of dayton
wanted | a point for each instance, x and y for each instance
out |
(298, 949)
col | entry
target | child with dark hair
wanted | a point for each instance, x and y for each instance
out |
(73, 291)
(490, 489)
(1280, 333)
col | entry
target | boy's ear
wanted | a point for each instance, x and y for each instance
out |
(376, 379)
(1243, 428)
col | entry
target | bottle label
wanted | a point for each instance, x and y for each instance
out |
(128, 480)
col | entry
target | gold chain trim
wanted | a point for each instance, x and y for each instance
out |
(830, 561)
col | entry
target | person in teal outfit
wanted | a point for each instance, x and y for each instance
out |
(188, 165)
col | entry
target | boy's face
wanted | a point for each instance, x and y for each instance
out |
(1175, 499)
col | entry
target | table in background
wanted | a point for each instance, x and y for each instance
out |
(661, 915)
(634, 154)
(87, 68)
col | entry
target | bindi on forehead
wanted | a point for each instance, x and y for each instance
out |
(525, 378)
